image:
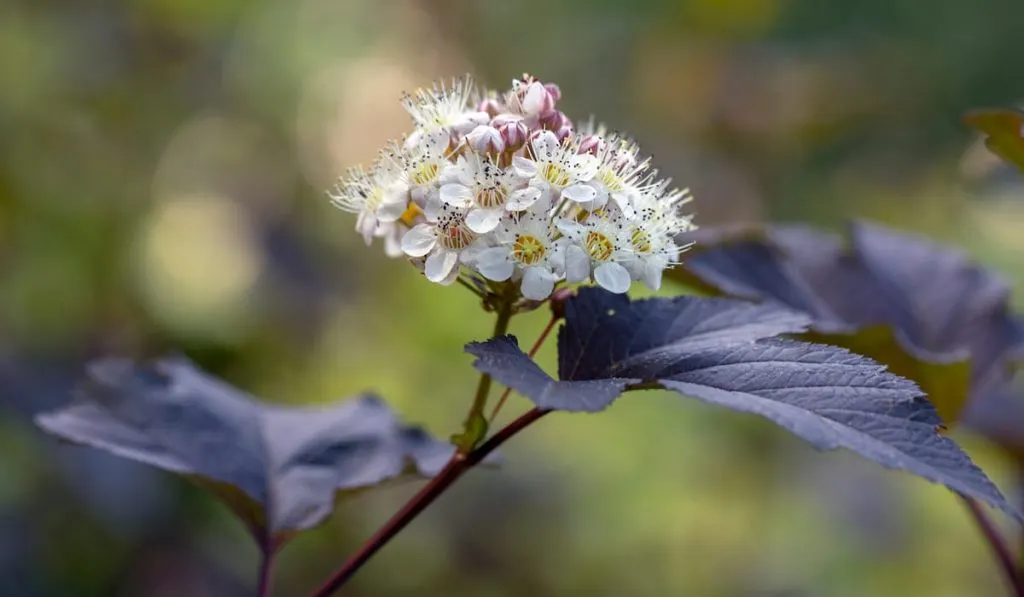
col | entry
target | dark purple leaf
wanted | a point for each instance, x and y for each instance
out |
(926, 311)
(279, 468)
(723, 352)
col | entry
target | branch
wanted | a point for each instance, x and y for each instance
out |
(456, 467)
(999, 547)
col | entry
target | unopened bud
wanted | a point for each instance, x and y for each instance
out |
(513, 132)
(485, 139)
(553, 91)
(592, 144)
(564, 131)
(489, 105)
(553, 120)
(535, 100)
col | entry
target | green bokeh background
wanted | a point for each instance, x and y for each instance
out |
(162, 183)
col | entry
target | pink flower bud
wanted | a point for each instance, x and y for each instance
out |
(564, 131)
(490, 105)
(553, 91)
(592, 144)
(485, 139)
(513, 132)
(535, 100)
(553, 120)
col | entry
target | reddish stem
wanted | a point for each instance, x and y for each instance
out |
(456, 467)
(998, 544)
(533, 352)
(266, 575)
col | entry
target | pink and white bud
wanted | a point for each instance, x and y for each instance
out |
(565, 131)
(513, 131)
(592, 144)
(554, 120)
(485, 139)
(535, 100)
(553, 91)
(489, 105)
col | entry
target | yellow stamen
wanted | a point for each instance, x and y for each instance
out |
(555, 175)
(528, 250)
(599, 246)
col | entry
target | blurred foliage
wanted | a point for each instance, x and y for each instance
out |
(161, 189)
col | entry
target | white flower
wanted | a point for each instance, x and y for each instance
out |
(441, 241)
(497, 187)
(652, 232)
(556, 171)
(526, 247)
(423, 164)
(447, 108)
(481, 186)
(379, 197)
(620, 175)
(598, 247)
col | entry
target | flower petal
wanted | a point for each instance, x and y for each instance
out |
(523, 199)
(524, 167)
(419, 240)
(651, 275)
(612, 277)
(580, 193)
(393, 243)
(585, 166)
(577, 264)
(439, 264)
(366, 224)
(456, 195)
(483, 221)
(625, 202)
(572, 229)
(434, 142)
(537, 283)
(495, 264)
(389, 212)
(534, 98)
(545, 146)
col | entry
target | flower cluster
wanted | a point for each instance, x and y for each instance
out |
(503, 187)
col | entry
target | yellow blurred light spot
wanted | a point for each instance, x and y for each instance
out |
(731, 17)
(199, 262)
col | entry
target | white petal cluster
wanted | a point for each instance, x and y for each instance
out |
(501, 187)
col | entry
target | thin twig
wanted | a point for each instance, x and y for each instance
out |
(474, 428)
(471, 287)
(998, 544)
(456, 467)
(266, 575)
(533, 352)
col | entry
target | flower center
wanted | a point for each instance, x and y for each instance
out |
(425, 173)
(491, 198)
(611, 180)
(373, 198)
(599, 246)
(455, 236)
(556, 175)
(528, 250)
(411, 213)
(641, 240)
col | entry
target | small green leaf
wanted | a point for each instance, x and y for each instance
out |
(1004, 130)
(475, 431)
